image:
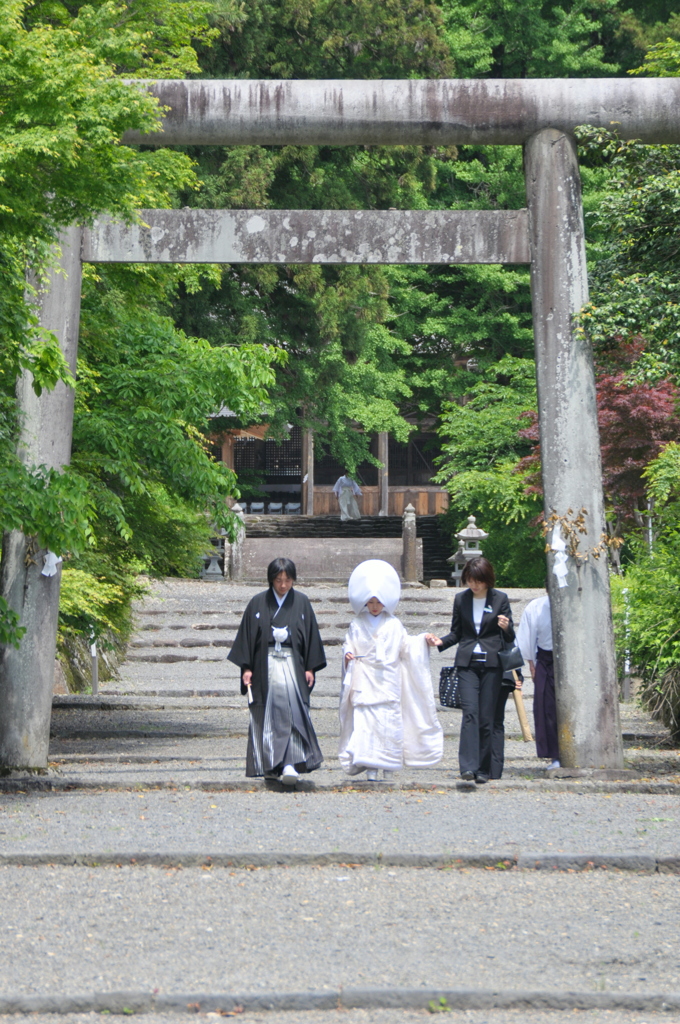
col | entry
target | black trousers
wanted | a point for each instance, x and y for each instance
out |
(498, 737)
(479, 690)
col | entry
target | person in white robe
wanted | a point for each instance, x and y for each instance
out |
(534, 639)
(347, 491)
(388, 717)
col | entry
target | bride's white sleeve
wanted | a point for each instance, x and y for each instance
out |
(349, 647)
(345, 710)
(423, 734)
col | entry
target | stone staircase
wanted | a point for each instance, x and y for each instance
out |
(175, 714)
(185, 629)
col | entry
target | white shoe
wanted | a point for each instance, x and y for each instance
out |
(389, 773)
(372, 775)
(289, 776)
(554, 764)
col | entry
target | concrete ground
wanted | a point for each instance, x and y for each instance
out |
(144, 874)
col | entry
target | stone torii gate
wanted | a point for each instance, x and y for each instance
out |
(548, 234)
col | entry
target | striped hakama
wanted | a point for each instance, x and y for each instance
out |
(545, 706)
(281, 731)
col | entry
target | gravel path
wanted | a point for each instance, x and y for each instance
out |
(195, 934)
(313, 929)
(289, 822)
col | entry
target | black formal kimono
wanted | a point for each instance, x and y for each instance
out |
(281, 730)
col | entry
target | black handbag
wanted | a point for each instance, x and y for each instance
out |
(510, 657)
(449, 690)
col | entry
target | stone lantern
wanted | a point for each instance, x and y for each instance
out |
(469, 541)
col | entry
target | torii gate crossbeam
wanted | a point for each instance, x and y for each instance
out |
(312, 236)
(383, 112)
(541, 114)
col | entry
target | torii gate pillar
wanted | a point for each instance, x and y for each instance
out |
(27, 674)
(583, 637)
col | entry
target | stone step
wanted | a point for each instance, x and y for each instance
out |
(183, 618)
(185, 629)
(323, 526)
(356, 1005)
(198, 631)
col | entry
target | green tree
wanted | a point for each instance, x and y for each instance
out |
(417, 326)
(140, 446)
(484, 426)
(63, 109)
(139, 430)
(482, 446)
(340, 368)
(63, 112)
(631, 205)
(635, 283)
(344, 366)
(534, 39)
(324, 39)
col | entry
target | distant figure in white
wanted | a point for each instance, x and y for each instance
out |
(388, 717)
(347, 491)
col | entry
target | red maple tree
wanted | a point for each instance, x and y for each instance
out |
(636, 419)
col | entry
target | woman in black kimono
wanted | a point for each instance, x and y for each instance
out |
(278, 648)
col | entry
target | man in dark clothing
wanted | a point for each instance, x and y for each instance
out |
(279, 651)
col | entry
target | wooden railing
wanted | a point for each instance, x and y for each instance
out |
(427, 501)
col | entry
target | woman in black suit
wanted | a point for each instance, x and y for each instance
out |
(482, 620)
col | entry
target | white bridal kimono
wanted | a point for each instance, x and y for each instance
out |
(388, 717)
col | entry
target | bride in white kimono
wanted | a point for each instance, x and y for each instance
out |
(388, 717)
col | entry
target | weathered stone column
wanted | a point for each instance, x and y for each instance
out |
(409, 562)
(27, 674)
(383, 473)
(585, 668)
(233, 553)
(308, 473)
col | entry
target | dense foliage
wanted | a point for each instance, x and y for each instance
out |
(327, 317)
(647, 596)
(631, 203)
(132, 485)
(634, 325)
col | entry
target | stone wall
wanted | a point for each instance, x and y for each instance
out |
(329, 559)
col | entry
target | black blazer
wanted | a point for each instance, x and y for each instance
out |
(490, 636)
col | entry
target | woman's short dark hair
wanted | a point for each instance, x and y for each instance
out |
(479, 569)
(281, 565)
